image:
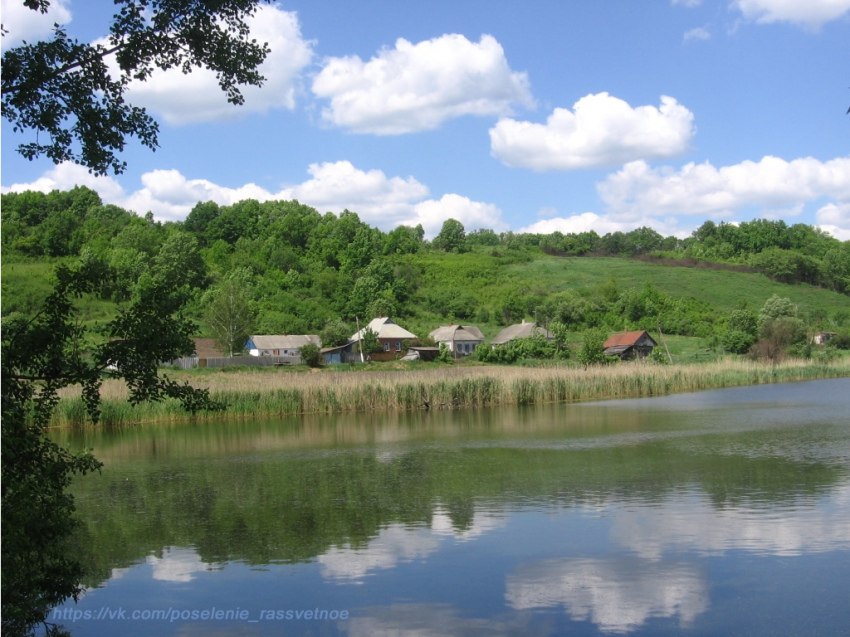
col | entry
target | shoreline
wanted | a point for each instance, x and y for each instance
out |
(256, 394)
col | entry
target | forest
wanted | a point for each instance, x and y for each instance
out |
(286, 268)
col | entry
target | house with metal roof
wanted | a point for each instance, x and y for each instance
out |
(286, 347)
(521, 330)
(390, 335)
(626, 345)
(460, 339)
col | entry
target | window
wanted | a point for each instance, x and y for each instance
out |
(386, 347)
(398, 346)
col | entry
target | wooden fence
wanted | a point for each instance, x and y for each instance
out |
(191, 362)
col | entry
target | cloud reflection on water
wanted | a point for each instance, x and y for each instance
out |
(616, 594)
(692, 523)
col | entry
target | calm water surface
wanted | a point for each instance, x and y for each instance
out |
(723, 512)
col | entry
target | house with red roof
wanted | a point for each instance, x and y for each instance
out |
(628, 345)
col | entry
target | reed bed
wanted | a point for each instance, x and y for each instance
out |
(252, 394)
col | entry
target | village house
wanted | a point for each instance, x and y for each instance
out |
(390, 335)
(286, 347)
(460, 339)
(521, 330)
(628, 345)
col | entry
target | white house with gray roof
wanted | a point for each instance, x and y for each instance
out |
(460, 339)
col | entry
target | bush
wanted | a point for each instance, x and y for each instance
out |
(310, 355)
(736, 341)
(537, 347)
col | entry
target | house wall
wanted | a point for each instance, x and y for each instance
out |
(462, 348)
(289, 355)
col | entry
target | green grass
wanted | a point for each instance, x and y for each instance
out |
(723, 289)
(27, 283)
(488, 280)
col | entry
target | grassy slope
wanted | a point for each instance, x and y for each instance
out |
(27, 283)
(723, 289)
(490, 279)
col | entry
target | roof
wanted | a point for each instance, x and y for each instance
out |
(286, 341)
(520, 330)
(625, 340)
(384, 327)
(446, 333)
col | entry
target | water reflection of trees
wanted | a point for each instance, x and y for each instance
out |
(262, 495)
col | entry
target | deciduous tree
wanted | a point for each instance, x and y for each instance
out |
(230, 314)
(72, 98)
(40, 356)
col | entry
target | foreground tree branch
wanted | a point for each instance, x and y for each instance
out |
(66, 89)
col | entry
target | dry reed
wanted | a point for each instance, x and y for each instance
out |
(254, 393)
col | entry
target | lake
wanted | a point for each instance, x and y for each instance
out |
(720, 512)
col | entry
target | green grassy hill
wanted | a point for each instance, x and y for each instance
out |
(482, 280)
(476, 287)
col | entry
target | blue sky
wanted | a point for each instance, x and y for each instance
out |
(536, 116)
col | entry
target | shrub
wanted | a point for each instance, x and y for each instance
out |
(310, 355)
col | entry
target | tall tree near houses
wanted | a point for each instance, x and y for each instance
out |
(62, 93)
(230, 313)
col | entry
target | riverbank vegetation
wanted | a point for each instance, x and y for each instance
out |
(250, 394)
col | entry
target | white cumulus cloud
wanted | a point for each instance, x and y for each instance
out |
(378, 199)
(835, 219)
(811, 14)
(472, 214)
(66, 176)
(387, 202)
(416, 87)
(600, 130)
(179, 98)
(574, 224)
(702, 189)
(24, 24)
(170, 196)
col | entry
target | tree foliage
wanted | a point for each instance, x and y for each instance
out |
(71, 94)
(230, 312)
(592, 352)
(311, 355)
(452, 237)
(369, 343)
(307, 268)
(40, 356)
(779, 328)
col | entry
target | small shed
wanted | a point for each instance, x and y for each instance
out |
(628, 345)
(339, 354)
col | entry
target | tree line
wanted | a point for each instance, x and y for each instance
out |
(282, 267)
